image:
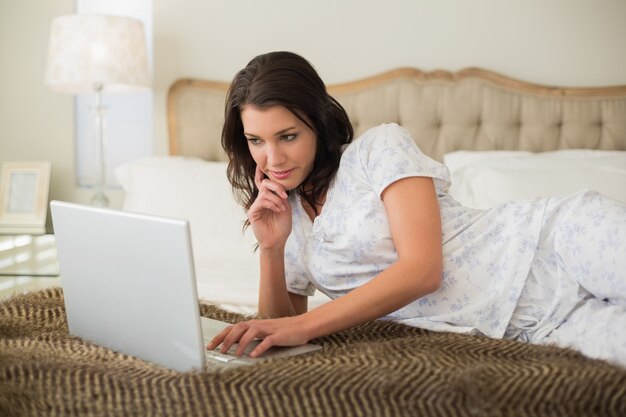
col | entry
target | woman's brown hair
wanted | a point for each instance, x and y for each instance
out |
(288, 80)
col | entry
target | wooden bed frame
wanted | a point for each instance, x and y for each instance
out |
(472, 109)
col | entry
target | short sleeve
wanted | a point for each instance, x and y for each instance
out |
(388, 153)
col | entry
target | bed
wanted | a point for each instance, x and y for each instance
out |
(501, 138)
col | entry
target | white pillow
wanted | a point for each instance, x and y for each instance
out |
(485, 179)
(199, 191)
(227, 268)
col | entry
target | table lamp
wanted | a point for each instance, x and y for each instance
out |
(97, 54)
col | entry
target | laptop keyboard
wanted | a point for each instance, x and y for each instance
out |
(220, 357)
(217, 356)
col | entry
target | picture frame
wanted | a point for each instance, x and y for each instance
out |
(24, 188)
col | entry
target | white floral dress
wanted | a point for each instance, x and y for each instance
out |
(488, 255)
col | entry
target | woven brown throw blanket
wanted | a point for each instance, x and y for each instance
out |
(377, 369)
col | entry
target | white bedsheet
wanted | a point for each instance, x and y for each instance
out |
(234, 285)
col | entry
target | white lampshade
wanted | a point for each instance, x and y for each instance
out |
(97, 50)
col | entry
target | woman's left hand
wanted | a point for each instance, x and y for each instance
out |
(285, 331)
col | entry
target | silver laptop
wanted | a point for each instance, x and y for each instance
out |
(129, 285)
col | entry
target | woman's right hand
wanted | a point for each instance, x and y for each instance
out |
(270, 214)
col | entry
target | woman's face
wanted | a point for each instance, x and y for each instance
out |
(281, 144)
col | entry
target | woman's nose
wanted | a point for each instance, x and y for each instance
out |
(275, 156)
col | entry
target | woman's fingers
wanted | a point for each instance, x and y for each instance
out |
(234, 336)
(269, 199)
(285, 204)
(248, 336)
(280, 332)
(250, 331)
(265, 204)
(219, 338)
(273, 187)
(262, 182)
(262, 347)
(227, 337)
(241, 333)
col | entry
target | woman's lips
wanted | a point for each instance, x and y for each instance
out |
(281, 175)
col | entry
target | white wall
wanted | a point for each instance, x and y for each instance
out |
(571, 42)
(559, 42)
(35, 123)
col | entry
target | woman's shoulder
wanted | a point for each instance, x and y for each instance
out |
(383, 130)
(383, 136)
(388, 152)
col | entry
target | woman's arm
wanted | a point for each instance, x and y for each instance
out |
(274, 299)
(415, 223)
(270, 218)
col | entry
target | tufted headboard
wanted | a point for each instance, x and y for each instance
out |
(472, 109)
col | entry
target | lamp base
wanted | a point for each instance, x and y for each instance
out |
(100, 200)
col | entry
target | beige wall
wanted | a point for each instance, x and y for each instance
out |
(36, 124)
(562, 42)
(565, 42)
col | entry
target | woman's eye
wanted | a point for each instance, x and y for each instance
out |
(289, 138)
(254, 141)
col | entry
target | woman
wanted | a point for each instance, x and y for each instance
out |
(368, 222)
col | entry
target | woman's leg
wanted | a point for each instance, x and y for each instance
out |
(596, 328)
(588, 234)
(577, 278)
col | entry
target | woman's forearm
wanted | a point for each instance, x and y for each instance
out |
(274, 299)
(389, 291)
